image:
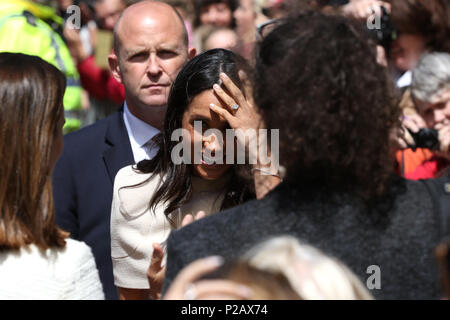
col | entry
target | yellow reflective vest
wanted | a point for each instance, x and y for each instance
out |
(21, 30)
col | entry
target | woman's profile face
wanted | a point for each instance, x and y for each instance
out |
(197, 119)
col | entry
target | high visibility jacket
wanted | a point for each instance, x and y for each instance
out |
(21, 30)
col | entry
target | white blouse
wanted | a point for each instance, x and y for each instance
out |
(69, 273)
(134, 227)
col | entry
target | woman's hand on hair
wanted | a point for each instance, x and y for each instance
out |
(186, 285)
(246, 116)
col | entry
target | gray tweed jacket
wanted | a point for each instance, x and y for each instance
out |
(400, 239)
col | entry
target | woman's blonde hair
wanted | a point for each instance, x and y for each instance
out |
(312, 274)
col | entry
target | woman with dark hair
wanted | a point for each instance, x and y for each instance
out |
(37, 259)
(154, 198)
(215, 12)
(318, 82)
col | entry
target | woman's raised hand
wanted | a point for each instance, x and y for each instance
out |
(241, 112)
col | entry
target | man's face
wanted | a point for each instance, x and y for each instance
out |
(406, 51)
(436, 112)
(152, 53)
(108, 12)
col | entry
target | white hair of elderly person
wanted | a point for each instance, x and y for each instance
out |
(430, 92)
(431, 76)
(311, 273)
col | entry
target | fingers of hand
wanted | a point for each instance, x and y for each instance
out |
(187, 220)
(233, 89)
(222, 112)
(200, 215)
(228, 101)
(157, 257)
(413, 123)
(408, 138)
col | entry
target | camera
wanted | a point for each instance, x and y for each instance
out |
(384, 33)
(425, 138)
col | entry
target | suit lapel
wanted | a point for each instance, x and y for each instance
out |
(119, 154)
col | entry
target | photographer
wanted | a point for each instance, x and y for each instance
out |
(430, 127)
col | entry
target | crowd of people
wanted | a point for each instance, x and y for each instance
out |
(340, 108)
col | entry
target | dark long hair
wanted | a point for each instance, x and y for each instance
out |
(198, 75)
(317, 80)
(31, 95)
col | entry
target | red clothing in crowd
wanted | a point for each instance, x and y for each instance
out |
(99, 82)
(428, 169)
(420, 164)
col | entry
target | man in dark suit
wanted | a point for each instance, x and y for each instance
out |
(148, 54)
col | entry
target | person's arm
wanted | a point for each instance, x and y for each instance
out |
(98, 82)
(133, 229)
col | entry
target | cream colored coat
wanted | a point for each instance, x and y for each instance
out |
(134, 227)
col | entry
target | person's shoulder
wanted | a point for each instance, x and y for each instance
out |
(133, 189)
(77, 250)
(86, 132)
(130, 175)
(84, 144)
(92, 132)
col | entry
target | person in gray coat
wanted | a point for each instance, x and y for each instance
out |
(318, 82)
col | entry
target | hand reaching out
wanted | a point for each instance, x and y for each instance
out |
(73, 40)
(156, 272)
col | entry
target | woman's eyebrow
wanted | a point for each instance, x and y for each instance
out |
(199, 117)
